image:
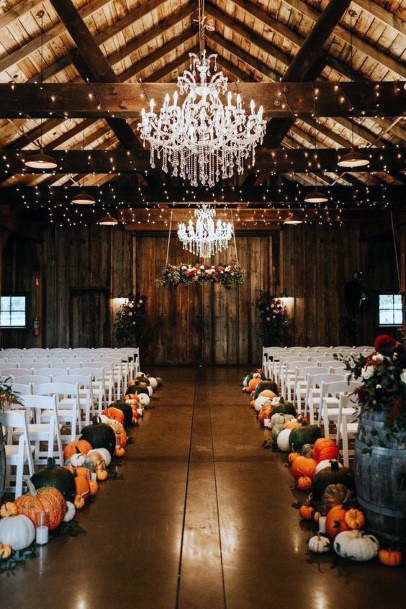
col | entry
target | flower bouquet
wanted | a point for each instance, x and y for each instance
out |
(129, 326)
(229, 276)
(274, 318)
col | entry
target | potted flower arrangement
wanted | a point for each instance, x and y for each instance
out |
(274, 319)
(7, 396)
(129, 326)
(380, 447)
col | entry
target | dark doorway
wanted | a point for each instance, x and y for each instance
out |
(89, 318)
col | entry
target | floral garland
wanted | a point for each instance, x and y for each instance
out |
(274, 318)
(129, 326)
(229, 276)
(383, 376)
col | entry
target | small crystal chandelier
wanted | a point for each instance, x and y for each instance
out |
(208, 237)
(203, 139)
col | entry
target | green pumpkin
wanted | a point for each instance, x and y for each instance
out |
(57, 477)
(285, 408)
(332, 475)
(100, 435)
(305, 434)
(307, 450)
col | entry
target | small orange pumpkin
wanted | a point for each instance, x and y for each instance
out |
(93, 487)
(5, 551)
(292, 457)
(304, 483)
(306, 512)
(355, 519)
(390, 558)
(102, 474)
(8, 509)
(335, 521)
(303, 466)
(79, 502)
(82, 485)
(119, 452)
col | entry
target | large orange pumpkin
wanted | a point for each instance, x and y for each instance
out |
(79, 446)
(335, 521)
(46, 500)
(114, 413)
(303, 466)
(325, 449)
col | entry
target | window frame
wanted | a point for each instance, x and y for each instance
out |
(391, 325)
(16, 295)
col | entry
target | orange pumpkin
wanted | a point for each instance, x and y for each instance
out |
(8, 509)
(292, 457)
(120, 433)
(306, 512)
(390, 558)
(335, 521)
(303, 466)
(267, 393)
(114, 413)
(252, 384)
(82, 485)
(325, 449)
(291, 425)
(265, 413)
(79, 446)
(304, 483)
(46, 500)
(119, 452)
(355, 519)
(79, 502)
(93, 487)
(102, 474)
(5, 551)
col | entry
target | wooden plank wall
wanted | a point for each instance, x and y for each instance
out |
(191, 325)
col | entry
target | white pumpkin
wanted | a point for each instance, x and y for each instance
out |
(104, 454)
(324, 464)
(356, 545)
(153, 382)
(144, 399)
(280, 419)
(77, 460)
(150, 390)
(17, 532)
(70, 512)
(260, 402)
(283, 440)
(105, 419)
(319, 544)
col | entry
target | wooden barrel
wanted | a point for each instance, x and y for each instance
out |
(380, 477)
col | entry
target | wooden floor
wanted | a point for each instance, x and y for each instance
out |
(201, 520)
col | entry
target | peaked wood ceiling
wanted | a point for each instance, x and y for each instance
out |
(149, 41)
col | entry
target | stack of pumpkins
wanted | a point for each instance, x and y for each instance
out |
(315, 466)
(61, 491)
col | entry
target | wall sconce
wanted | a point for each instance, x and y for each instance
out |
(120, 300)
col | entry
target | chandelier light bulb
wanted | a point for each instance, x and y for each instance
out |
(202, 140)
(206, 238)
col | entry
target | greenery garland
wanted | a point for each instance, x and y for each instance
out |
(229, 276)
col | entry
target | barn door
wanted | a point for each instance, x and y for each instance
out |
(89, 318)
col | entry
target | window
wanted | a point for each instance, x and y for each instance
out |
(390, 310)
(13, 311)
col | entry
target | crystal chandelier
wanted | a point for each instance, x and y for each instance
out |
(203, 139)
(208, 237)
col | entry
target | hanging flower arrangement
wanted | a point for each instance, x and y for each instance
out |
(129, 326)
(274, 318)
(229, 276)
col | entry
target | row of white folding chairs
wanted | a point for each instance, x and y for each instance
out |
(287, 373)
(269, 353)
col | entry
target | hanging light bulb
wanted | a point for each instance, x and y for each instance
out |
(40, 160)
(354, 158)
(83, 198)
(316, 197)
(293, 219)
(108, 221)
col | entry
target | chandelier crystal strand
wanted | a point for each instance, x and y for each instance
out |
(207, 237)
(201, 139)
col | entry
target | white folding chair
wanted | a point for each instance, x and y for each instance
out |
(330, 400)
(22, 389)
(86, 399)
(34, 378)
(304, 373)
(15, 372)
(98, 386)
(43, 432)
(52, 371)
(313, 395)
(67, 398)
(347, 425)
(20, 454)
(287, 374)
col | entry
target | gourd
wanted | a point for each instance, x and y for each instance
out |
(307, 450)
(81, 446)
(100, 435)
(306, 512)
(119, 452)
(303, 466)
(46, 500)
(319, 544)
(9, 508)
(5, 551)
(17, 532)
(94, 487)
(335, 494)
(97, 460)
(70, 512)
(58, 477)
(356, 545)
(276, 430)
(102, 474)
(120, 434)
(332, 475)
(292, 457)
(335, 521)
(267, 393)
(104, 453)
(281, 419)
(77, 460)
(354, 519)
(390, 558)
(79, 502)
(305, 434)
(325, 449)
(283, 440)
(323, 464)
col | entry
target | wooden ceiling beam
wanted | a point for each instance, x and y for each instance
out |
(386, 17)
(280, 160)
(99, 69)
(125, 100)
(287, 193)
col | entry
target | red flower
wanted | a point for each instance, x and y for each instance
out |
(384, 344)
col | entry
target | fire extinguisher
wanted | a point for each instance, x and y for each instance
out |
(36, 326)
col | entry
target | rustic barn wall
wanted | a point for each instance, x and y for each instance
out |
(82, 269)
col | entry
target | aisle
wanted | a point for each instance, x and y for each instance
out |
(202, 520)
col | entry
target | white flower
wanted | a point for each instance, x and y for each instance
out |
(184, 267)
(378, 358)
(275, 401)
(227, 269)
(367, 372)
(403, 376)
(378, 387)
(202, 267)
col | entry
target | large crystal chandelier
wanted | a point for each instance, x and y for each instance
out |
(207, 237)
(203, 139)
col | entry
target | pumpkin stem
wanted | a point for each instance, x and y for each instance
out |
(334, 465)
(51, 462)
(31, 488)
